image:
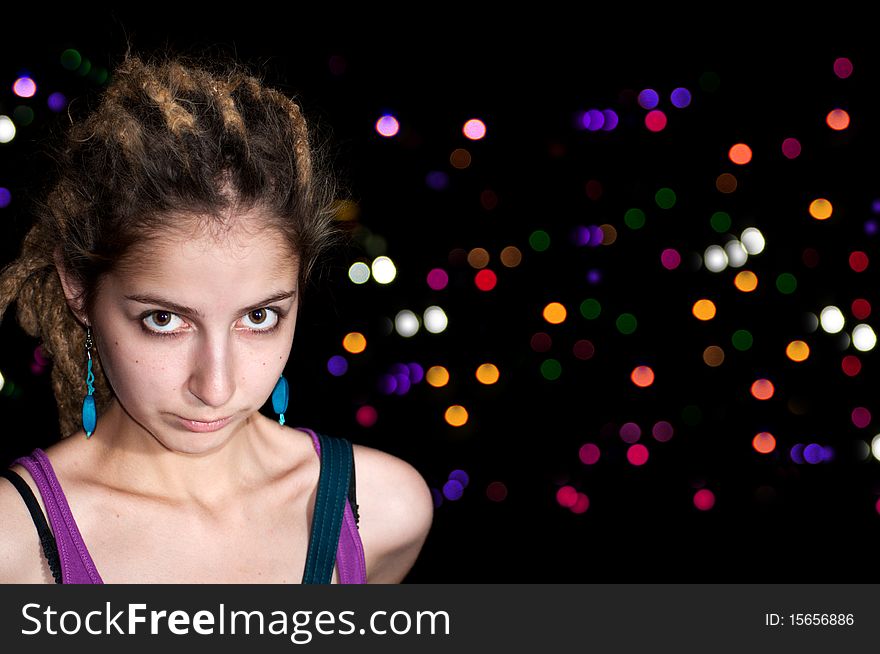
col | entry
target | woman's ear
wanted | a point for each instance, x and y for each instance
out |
(72, 288)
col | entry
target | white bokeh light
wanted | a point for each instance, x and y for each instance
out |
(406, 323)
(863, 338)
(736, 253)
(831, 319)
(359, 272)
(435, 319)
(875, 447)
(384, 270)
(715, 258)
(7, 129)
(753, 240)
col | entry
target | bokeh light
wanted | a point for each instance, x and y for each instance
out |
(837, 119)
(437, 376)
(704, 499)
(821, 209)
(359, 272)
(460, 158)
(791, 148)
(554, 313)
(366, 416)
(648, 98)
(384, 270)
(680, 97)
(456, 415)
(474, 129)
(713, 356)
(486, 280)
(24, 87)
(496, 491)
(843, 67)
(354, 342)
(863, 337)
(832, 319)
(655, 121)
(637, 454)
(726, 183)
(642, 376)
(670, 259)
(387, 126)
(861, 417)
(487, 373)
(740, 154)
(7, 129)
(406, 323)
(337, 365)
(764, 442)
(746, 281)
(589, 453)
(797, 351)
(438, 279)
(704, 309)
(662, 431)
(762, 389)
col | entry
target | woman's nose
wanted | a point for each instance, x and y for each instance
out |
(212, 379)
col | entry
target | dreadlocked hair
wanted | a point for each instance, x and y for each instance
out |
(175, 142)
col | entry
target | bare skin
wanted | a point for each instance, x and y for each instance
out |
(157, 503)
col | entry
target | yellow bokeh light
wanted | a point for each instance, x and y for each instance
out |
(821, 209)
(726, 183)
(713, 356)
(555, 313)
(797, 351)
(456, 415)
(460, 158)
(746, 281)
(511, 256)
(487, 373)
(478, 258)
(704, 309)
(609, 234)
(437, 376)
(354, 342)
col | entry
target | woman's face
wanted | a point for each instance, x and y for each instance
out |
(198, 328)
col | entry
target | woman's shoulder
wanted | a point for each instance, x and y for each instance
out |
(21, 555)
(396, 511)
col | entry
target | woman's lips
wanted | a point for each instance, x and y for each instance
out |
(201, 427)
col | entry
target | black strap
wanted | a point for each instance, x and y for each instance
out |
(47, 540)
(334, 481)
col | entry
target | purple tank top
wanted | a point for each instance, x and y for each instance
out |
(77, 566)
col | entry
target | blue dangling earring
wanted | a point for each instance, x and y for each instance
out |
(89, 415)
(280, 396)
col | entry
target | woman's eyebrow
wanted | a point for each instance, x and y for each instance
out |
(189, 311)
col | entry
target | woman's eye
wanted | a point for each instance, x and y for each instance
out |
(261, 319)
(162, 321)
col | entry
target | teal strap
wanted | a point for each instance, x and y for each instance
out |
(333, 485)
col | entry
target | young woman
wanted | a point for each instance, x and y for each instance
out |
(164, 275)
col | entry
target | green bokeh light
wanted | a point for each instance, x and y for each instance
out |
(786, 283)
(70, 59)
(720, 221)
(590, 309)
(692, 415)
(539, 240)
(634, 218)
(742, 339)
(551, 369)
(665, 198)
(626, 323)
(23, 115)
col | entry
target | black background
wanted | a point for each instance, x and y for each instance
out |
(526, 75)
